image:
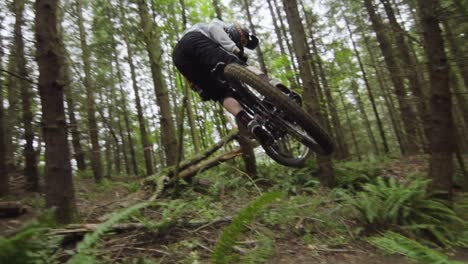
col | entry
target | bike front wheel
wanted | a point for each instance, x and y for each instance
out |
(311, 135)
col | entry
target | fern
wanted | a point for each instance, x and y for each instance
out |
(260, 254)
(223, 248)
(408, 205)
(84, 249)
(394, 243)
(31, 244)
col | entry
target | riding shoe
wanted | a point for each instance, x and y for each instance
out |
(291, 94)
(254, 127)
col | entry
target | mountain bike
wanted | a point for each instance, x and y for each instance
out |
(296, 134)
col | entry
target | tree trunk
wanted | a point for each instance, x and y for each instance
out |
(217, 9)
(442, 138)
(388, 101)
(11, 114)
(286, 39)
(4, 177)
(326, 175)
(343, 151)
(292, 82)
(141, 120)
(351, 127)
(125, 113)
(90, 107)
(261, 59)
(58, 174)
(410, 69)
(30, 167)
(368, 88)
(362, 110)
(153, 46)
(457, 53)
(407, 114)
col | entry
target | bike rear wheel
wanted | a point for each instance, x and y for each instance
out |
(315, 137)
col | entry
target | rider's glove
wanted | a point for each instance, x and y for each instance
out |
(240, 54)
(244, 58)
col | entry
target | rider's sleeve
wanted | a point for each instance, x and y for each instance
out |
(217, 33)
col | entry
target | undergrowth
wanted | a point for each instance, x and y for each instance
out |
(394, 243)
(31, 244)
(222, 252)
(408, 207)
(85, 250)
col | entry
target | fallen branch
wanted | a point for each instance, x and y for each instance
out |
(82, 229)
(185, 164)
(151, 180)
(205, 165)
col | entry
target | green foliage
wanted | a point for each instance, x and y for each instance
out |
(222, 252)
(84, 249)
(394, 243)
(408, 206)
(352, 173)
(31, 244)
(264, 249)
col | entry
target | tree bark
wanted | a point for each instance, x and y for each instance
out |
(58, 174)
(407, 114)
(326, 175)
(153, 47)
(442, 138)
(30, 167)
(90, 103)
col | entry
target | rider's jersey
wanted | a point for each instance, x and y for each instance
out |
(215, 31)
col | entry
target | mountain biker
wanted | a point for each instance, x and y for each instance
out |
(198, 52)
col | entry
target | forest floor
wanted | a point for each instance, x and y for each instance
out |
(307, 226)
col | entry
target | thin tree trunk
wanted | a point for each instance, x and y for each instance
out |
(153, 47)
(457, 53)
(442, 139)
(69, 95)
(326, 174)
(351, 127)
(343, 151)
(141, 120)
(292, 81)
(409, 68)
(11, 113)
(30, 167)
(126, 114)
(288, 43)
(90, 103)
(217, 9)
(407, 114)
(4, 177)
(368, 88)
(362, 110)
(58, 174)
(261, 58)
(388, 101)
